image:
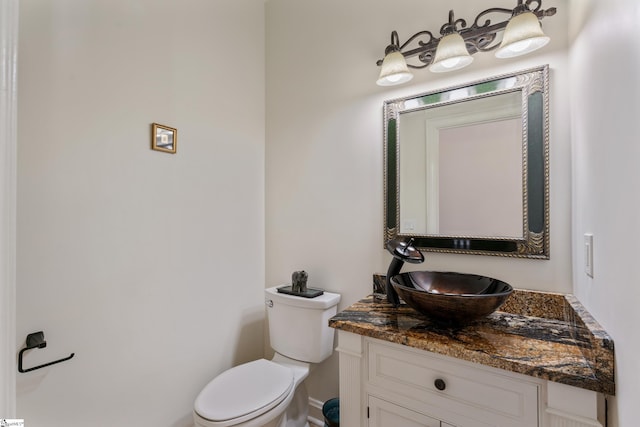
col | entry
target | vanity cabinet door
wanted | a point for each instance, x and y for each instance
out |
(387, 414)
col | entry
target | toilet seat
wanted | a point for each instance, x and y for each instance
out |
(244, 392)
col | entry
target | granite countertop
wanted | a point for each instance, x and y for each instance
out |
(544, 335)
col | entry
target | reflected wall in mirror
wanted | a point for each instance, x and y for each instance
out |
(466, 168)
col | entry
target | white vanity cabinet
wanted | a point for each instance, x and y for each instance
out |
(384, 384)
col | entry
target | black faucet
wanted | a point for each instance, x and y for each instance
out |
(402, 252)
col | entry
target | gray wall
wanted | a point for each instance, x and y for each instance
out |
(149, 266)
(605, 108)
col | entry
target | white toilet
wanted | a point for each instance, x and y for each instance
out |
(271, 393)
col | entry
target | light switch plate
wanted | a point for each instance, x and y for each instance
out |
(588, 254)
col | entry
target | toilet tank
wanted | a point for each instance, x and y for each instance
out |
(299, 327)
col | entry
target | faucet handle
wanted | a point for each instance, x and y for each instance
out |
(405, 251)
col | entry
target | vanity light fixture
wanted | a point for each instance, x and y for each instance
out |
(394, 67)
(522, 34)
(452, 53)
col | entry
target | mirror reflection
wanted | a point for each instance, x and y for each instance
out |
(466, 168)
(458, 161)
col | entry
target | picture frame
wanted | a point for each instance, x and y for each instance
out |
(164, 138)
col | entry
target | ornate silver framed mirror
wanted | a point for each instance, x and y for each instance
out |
(467, 167)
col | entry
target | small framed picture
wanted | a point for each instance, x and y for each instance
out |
(164, 138)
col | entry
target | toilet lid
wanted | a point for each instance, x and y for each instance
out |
(252, 388)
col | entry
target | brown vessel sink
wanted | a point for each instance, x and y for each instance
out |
(454, 299)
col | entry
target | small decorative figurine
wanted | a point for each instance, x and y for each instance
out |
(299, 281)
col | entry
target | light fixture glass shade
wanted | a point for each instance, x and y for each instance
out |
(522, 35)
(451, 54)
(394, 70)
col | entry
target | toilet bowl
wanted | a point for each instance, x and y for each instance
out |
(255, 394)
(271, 393)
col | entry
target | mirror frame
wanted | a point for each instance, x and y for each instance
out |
(534, 243)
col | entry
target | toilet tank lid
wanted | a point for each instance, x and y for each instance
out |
(245, 391)
(321, 302)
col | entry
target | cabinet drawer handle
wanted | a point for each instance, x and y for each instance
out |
(440, 384)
